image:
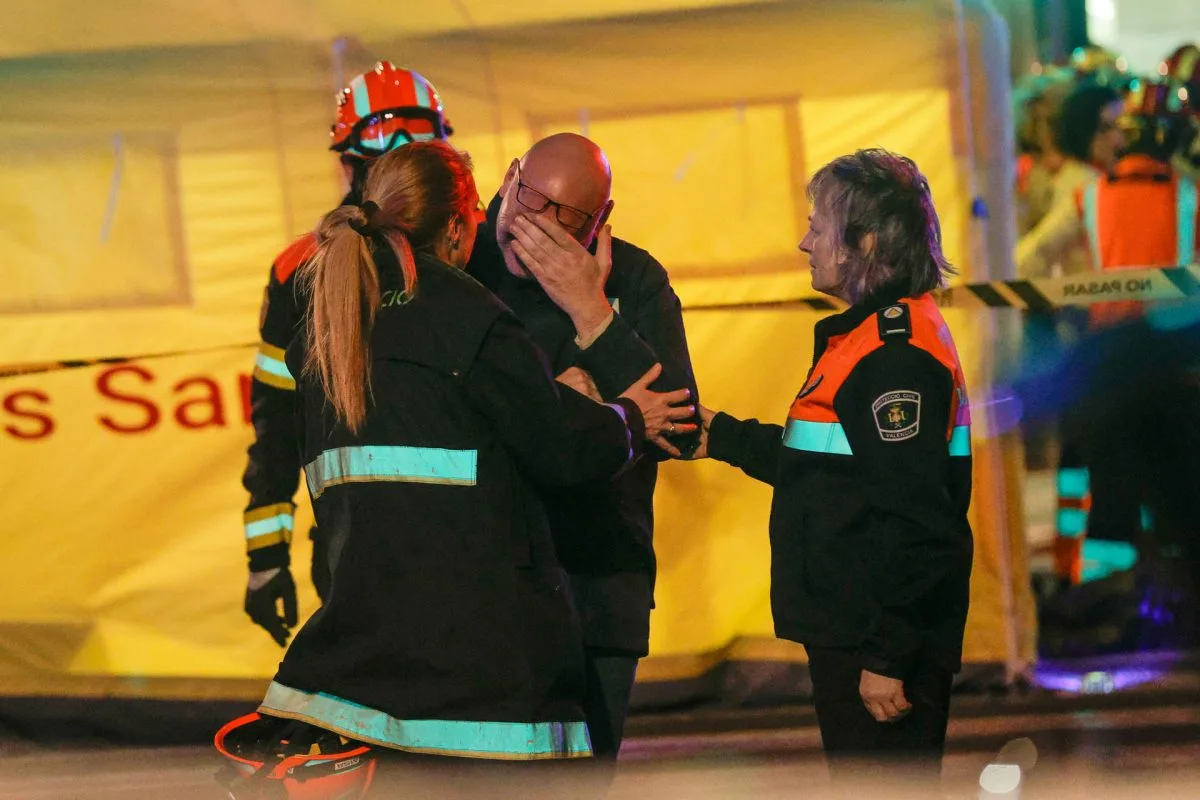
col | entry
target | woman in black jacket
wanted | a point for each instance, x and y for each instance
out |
(428, 416)
(870, 545)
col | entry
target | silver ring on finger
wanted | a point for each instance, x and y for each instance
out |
(672, 428)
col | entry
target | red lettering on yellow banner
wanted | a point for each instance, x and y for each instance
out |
(244, 384)
(198, 403)
(211, 400)
(104, 386)
(43, 424)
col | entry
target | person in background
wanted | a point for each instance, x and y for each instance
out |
(546, 255)
(1137, 381)
(1037, 104)
(427, 417)
(1037, 110)
(871, 549)
(1142, 214)
(1091, 141)
(380, 110)
(1044, 150)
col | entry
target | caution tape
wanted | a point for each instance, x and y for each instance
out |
(1142, 286)
(1092, 288)
(55, 366)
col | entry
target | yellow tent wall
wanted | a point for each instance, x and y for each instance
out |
(150, 188)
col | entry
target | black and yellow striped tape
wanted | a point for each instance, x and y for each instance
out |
(1141, 285)
(55, 366)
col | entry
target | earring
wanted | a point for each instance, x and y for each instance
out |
(454, 244)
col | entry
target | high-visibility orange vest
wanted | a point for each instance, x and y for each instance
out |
(1142, 215)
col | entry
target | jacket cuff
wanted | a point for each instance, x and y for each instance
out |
(883, 666)
(617, 358)
(584, 341)
(276, 555)
(268, 525)
(634, 422)
(725, 439)
(891, 656)
(271, 369)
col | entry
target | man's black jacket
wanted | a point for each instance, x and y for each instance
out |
(604, 531)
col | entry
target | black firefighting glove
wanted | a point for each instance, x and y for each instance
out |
(263, 595)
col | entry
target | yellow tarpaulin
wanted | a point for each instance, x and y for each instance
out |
(148, 189)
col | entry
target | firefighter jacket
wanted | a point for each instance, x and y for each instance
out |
(448, 627)
(871, 547)
(273, 469)
(604, 529)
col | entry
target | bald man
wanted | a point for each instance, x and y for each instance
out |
(604, 313)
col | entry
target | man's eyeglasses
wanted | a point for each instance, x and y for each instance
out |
(571, 218)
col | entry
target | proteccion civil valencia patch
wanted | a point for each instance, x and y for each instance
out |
(897, 415)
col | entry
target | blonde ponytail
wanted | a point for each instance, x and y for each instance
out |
(412, 194)
(344, 286)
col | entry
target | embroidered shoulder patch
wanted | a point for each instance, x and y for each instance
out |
(894, 321)
(897, 415)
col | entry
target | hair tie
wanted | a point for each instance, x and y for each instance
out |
(366, 227)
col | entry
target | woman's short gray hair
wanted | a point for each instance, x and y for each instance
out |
(882, 193)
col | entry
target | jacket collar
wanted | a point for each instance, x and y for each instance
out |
(1140, 167)
(855, 315)
(487, 262)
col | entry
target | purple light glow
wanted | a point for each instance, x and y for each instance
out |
(1104, 674)
(1094, 682)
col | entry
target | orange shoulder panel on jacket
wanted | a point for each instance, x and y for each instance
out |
(296, 254)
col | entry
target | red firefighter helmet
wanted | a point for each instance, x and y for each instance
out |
(277, 759)
(385, 108)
